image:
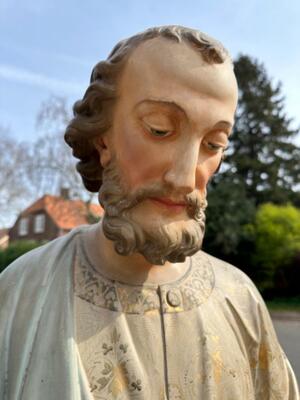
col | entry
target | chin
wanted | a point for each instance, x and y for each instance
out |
(158, 243)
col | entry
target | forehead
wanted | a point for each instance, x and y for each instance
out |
(162, 69)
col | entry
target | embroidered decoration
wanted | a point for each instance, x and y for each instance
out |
(191, 290)
(110, 373)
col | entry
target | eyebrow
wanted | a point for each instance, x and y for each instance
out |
(224, 125)
(162, 102)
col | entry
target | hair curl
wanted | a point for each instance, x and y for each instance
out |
(93, 114)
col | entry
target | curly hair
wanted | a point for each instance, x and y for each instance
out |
(94, 113)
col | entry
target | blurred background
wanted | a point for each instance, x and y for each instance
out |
(48, 49)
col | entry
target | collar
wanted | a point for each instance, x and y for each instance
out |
(186, 293)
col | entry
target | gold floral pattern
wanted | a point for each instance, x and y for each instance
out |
(109, 372)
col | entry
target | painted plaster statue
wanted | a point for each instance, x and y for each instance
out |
(131, 308)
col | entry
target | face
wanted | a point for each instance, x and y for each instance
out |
(172, 120)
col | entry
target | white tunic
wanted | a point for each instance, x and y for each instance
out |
(67, 333)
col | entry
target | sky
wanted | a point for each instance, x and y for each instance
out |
(48, 47)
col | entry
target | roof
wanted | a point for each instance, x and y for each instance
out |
(66, 214)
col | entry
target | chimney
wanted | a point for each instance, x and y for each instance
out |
(65, 193)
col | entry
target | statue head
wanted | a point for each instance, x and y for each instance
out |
(149, 132)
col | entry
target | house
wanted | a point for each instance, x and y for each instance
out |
(53, 216)
(4, 239)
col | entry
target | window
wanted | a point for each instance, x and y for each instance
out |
(23, 226)
(39, 223)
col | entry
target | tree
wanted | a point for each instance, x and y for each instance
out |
(30, 170)
(53, 165)
(276, 231)
(14, 187)
(262, 155)
(228, 214)
(262, 164)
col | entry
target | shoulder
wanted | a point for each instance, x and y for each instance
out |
(228, 276)
(236, 297)
(235, 293)
(38, 264)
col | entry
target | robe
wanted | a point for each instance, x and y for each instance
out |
(69, 333)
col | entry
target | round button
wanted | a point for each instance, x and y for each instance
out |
(173, 298)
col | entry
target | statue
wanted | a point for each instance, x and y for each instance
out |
(131, 308)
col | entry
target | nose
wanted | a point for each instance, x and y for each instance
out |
(183, 172)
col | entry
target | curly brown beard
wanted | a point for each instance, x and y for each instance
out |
(168, 241)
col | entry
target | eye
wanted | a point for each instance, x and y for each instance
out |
(160, 133)
(216, 142)
(214, 147)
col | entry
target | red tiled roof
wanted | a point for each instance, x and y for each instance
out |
(67, 214)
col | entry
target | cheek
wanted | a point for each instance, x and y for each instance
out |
(138, 159)
(206, 169)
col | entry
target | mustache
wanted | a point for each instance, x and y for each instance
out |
(120, 201)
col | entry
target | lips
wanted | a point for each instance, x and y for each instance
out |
(171, 204)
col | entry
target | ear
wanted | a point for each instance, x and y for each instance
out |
(102, 145)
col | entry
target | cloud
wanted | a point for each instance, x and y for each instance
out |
(74, 60)
(15, 74)
(28, 51)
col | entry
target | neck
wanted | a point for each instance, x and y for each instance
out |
(132, 269)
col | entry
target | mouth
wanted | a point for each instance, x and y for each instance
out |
(176, 206)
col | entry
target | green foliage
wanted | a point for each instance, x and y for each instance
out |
(284, 304)
(92, 218)
(262, 165)
(15, 250)
(229, 212)
(277, 242)
(262, 155)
